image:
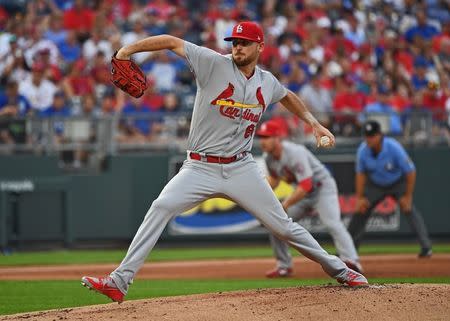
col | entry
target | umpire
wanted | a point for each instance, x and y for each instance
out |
(384, 168)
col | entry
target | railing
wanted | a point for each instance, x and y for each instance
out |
(110, 135)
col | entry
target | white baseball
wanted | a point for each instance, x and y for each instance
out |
(325, 141)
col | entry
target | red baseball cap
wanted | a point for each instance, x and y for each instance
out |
(247, 30)
(269, 128)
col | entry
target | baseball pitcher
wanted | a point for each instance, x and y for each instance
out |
(232, 94)
(315, 189)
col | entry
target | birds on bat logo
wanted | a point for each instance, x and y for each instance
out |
(229, 108)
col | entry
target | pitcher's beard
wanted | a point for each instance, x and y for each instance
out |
(242, 62)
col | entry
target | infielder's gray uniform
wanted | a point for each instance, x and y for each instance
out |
(226, 111)
(296, 165)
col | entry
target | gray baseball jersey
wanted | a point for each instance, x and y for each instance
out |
(298, 164)
(227, 105)
(227, 109)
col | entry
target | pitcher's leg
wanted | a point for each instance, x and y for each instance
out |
(417, 224)
(281, 248)
(281, 252)
(329, 212)
(251, 190)
(185, 190)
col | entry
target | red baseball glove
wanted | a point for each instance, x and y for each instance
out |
(126, 75)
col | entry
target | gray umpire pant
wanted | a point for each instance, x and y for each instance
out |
(325, 201)
(375, 194)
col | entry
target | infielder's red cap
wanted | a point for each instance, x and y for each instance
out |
(247, 30)
(269, 128)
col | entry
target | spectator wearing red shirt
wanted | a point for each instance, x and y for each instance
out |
(323, 30)
(152, 98)
(434, 100)
(3, 17)
(78, 82)
(213, 11)
(347, 103)
(400, 99)
(242, 12)
(53, 72)
(403, 55)
(112, 102)
(311, 11)
(79, 18)
(271, 53)
(161, 9)
(302, 29)
(363, 64)
(444, 35)
(288, 124)
(100, 70)
(443, 57)
(210, 41)
(339, 45)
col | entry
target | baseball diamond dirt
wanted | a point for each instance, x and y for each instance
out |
(330, 302)
(375, 266)
(375, 302)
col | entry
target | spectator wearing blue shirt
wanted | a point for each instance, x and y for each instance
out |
(59, 109)
(382, 107)
(70, 49)
(383, 168)
(355, 33)
(423, 29)
(55, 32)
(12, 103)
(138, 125)
(418, 79)
(13, 107)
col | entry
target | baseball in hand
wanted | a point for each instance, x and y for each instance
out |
(325, 141)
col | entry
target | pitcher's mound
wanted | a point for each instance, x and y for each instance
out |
(375, 302)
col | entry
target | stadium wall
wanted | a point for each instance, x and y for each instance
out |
(41, 203)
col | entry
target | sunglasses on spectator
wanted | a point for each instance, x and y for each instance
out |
(242, 42)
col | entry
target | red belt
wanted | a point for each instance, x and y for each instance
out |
(216, 159)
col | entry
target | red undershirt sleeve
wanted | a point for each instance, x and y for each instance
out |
(306, 184)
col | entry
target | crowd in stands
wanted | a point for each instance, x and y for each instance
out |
(346, 59)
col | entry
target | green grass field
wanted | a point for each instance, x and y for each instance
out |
(24, 296)
(176, 254)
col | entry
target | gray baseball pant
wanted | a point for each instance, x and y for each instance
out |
(326, 204)
(242, 181)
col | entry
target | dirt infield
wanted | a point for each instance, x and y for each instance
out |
(376, 302)
(390, 302)
(407, 265)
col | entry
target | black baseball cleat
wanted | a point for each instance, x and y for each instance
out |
(425, 253)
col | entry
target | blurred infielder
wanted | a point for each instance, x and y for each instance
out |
(315, 189)
(232, 94)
